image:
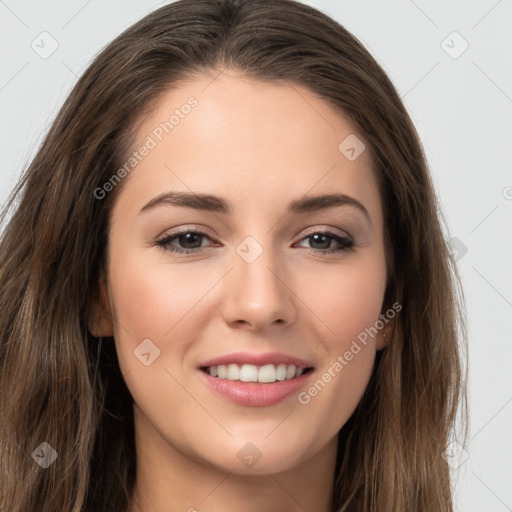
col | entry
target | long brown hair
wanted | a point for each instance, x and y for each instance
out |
(62, 386)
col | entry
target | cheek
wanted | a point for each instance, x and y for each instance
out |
(348, 302)
(155, 300)
(348, 299)
(158, 302)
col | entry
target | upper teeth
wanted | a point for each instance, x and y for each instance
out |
(253, 373)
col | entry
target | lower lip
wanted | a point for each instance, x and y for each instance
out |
(255, 394)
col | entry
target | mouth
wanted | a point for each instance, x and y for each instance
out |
(256, 380)
(263, 374)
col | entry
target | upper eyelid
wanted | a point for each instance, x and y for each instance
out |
(205, 230)
(330, 231)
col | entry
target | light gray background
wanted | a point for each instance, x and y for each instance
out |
(462, 108)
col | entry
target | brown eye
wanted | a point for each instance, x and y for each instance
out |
(321, 242)
(188, 242)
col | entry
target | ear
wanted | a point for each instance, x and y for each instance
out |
(100, 319)
(387, 316)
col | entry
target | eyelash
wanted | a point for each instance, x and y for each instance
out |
(346, 245)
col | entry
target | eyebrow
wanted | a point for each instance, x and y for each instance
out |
(211, 203)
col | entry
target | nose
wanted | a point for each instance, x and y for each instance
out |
(258, 294)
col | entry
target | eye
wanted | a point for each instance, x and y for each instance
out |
(324, 240)
(191, 239)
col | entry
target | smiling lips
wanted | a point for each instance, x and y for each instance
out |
(256, 380)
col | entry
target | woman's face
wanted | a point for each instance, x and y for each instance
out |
(260, 285)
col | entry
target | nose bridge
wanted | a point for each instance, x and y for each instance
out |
(255, 267)
(256, 292)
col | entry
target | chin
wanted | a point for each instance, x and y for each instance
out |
(257, 457)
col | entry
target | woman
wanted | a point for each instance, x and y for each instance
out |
(144, 373)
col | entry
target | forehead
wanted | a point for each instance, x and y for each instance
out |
(230, 135)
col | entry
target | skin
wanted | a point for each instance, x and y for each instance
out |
(259, 146)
